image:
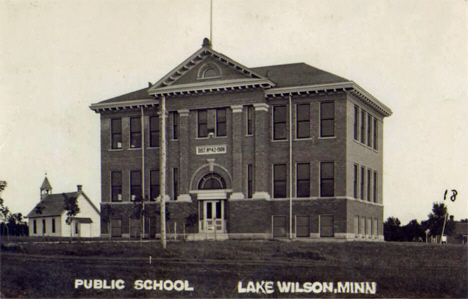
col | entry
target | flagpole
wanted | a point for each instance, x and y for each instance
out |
(162, 171)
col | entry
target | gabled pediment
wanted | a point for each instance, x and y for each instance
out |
(205, 70)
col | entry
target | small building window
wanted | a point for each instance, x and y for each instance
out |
(202, 123)
(135, 184)
(355, 185)
(43, 226)
(279, 181)
(375, 186)
(154, 184)
(279, 122)
(53, 225)
(356, 123)
(250, 120)
(368, 185)
(375, 127)
(135, 132)
(327, 179)
(77, 228)
(175, 125)
(249, 180)
(175, 183)
(221, 122)
(303, 180)
(116, 183)
(116, 133)
(34, 226)
(327, 119)
(302, 121)
(363, 179)
(369, 129)
(154, 131)
(363, 126)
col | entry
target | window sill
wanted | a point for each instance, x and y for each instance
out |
(325, 138)
(279, 140)
(134, 148)
(115, 149)
(304, 139)
(365, 145)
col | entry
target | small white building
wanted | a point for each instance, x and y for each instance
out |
(48, 217)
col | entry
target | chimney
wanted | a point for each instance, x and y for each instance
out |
(451, 217)
(79, 187)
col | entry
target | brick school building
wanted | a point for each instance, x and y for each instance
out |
(281, 151)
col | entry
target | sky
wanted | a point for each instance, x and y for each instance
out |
(58, 57)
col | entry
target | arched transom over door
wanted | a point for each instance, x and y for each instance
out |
(211, 181)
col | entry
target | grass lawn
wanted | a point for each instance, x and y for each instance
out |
(214, 269)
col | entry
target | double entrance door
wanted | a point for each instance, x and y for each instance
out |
(212, 217)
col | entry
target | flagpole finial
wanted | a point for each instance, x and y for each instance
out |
(206, 42)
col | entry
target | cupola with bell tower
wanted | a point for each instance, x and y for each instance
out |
(46, 188)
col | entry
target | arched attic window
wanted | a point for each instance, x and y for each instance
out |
(209, 71)
(211, 181)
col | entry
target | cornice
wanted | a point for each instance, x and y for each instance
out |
(348, 87)
(100, 107)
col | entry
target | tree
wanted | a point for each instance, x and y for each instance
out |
(106, 215)
(4, 214)
(72, 208)
(413, 231)
(435, 223)
(392, 229)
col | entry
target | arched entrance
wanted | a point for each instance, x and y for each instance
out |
(211, 210)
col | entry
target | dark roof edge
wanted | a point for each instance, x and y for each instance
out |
(349, 86)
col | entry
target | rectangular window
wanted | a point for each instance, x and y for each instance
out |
(355, 185)
(250, 120)
(369, 129)
(327, 119)
(116, 183)
(175, 125)
(363, 126)
(303, 180)
(116, 227)
(53, 225)
(363, 177)
(175, 182)
(356, 123)
(135, 132)
(43, 226)
(279, 181)
(375, 186)
(154, 184)
(327, 179)
(221, 122)
(249, 180)
(375, 127)
(116, 133)
(202, 123)
(302, 121)
(135, 184)
(279, 122)
(356, 226)
(35, 226)
(368, 185)
(77, 228)
(154, 131)
(327, 226)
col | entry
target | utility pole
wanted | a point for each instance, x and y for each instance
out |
(162, 170)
